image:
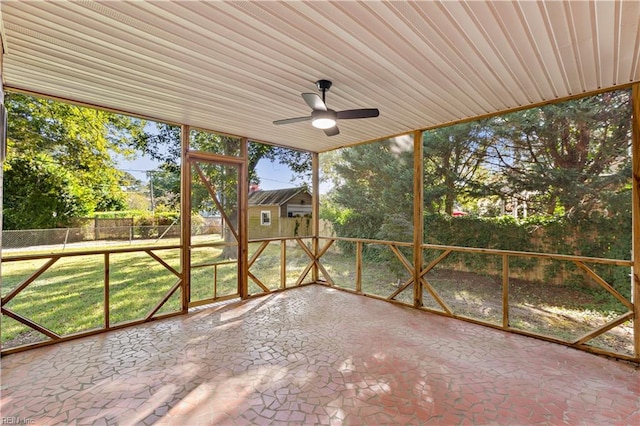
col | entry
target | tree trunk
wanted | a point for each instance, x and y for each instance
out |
(230, 251)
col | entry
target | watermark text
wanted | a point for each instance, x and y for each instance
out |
(17, 420)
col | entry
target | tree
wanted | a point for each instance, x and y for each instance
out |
(298, 161)
(373, 183)
(39, 193)
(570, 153)
(70, 141)
(162, 143)
(454, 157)
(166, 188)
(82, 141)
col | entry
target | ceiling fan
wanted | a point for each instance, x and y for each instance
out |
(324, 118)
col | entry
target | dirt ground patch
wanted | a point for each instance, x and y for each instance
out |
(559, 311)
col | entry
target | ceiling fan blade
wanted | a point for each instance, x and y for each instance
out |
(357, 113)
(292, 120)
(332, 131)
(314, 101)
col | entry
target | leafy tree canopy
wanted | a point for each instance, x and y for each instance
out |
(568, 159)
(567, 154)
(40, 193)
(163, 145)
(76, 144)
(372, 183)
(69, 142)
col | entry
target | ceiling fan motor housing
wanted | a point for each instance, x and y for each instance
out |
(323, 85)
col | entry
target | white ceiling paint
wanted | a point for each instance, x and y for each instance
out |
(234, 67)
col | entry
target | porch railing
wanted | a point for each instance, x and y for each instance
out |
(439, 292)
(41, 292)
(43, 284)
(510, 300)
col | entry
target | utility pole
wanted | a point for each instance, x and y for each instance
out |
(151, 195)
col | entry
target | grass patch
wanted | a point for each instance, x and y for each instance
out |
(69, 297)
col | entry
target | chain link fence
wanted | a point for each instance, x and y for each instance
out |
(62, 238)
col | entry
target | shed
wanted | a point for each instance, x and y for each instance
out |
(278, 212)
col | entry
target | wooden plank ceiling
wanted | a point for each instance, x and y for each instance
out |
(235, 67)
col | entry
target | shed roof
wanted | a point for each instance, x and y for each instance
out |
(273, 197)
(235, 67)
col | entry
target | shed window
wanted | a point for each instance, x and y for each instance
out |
(265, 218)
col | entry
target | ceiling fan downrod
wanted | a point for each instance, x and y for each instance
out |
(323, 86)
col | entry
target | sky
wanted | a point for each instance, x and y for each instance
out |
(272, 175)
(275, 176)
(137, 167)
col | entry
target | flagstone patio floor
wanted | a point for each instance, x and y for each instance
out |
(315, 355)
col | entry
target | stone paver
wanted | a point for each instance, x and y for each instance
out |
(315, 355)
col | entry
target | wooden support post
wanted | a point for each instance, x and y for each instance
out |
(315, 210)
(215, 281)
(3, 151)
(505, 291)
(283, 264)
(359, 266)
(185, 219)
(106, 291)
(418, 220)
(243, 223)
(635, 214)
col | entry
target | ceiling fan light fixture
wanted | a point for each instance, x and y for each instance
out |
(323, 119)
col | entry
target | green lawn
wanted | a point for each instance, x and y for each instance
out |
(69, 297)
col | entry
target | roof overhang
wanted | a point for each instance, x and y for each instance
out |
(234, 67)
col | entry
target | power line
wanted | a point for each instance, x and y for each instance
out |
(137, 170)
(273, 180)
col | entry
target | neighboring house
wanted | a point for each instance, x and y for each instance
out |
(272, 213)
